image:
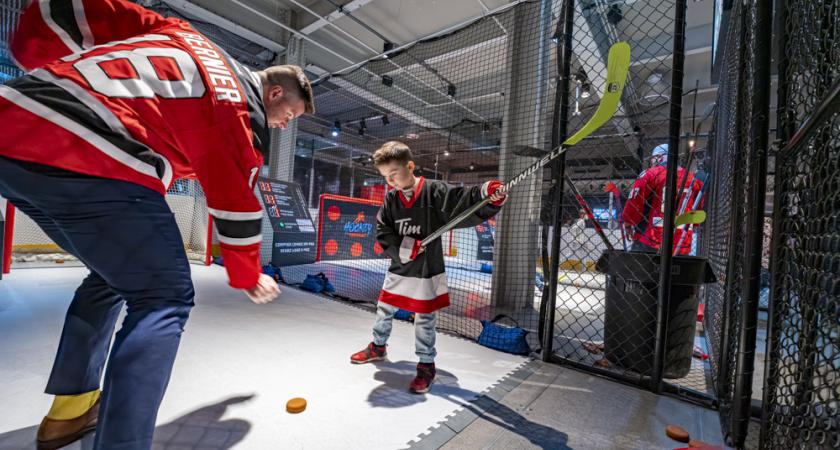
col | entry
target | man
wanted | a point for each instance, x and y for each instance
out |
(117, 104)
(644, 211)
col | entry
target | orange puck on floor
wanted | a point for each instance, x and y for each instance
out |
(676, 433)
(296, 405)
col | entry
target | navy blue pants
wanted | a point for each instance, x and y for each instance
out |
(127, 236)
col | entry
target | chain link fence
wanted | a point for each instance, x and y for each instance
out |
(801, 396)
(737, 184)
(461, 101)
(606, 314)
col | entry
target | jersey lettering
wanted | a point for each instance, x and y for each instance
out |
(405, 229)
(222, 81)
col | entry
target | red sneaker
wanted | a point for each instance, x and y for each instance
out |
(371, 353)
(425, 376)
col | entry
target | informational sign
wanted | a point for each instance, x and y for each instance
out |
(294, 240)
(485, 231)
(347, 229)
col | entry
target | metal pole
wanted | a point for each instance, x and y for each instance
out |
(783, 126)
(8, 236)
(670, 199)
(312, 177)
(559, 132)
(760, 98)
(352, 174)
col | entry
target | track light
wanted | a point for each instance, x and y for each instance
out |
(450, 90)
(387, 47)
(385, 120)
(555, 39)
(362, 127)
(485, 127)
(446, 152)
(336, 129)
(472, 166)
(387, 80)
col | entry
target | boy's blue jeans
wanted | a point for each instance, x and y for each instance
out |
(424, 331)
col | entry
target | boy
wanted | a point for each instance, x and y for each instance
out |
(416, 280)
(118, 102)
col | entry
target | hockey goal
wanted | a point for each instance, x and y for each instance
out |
(26, 245)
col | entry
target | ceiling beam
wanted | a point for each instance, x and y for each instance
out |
(193, 10)
(333, 16)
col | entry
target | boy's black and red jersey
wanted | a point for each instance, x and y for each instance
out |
(420, 285)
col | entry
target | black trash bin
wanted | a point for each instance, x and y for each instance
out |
(630, 310)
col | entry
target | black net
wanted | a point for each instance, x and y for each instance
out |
(606, 313)
(725, 222)
(801, 396)
(461, 101)
(9, 12)
(735, 205)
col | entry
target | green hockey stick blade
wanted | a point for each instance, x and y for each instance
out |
(618, 64)
(692, 217)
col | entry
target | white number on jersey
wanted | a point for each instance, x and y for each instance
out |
(145, 82)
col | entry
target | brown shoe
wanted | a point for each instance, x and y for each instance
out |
(53, 434)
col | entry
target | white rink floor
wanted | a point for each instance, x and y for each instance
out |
(238, 365)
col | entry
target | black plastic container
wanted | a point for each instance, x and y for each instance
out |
(630, 310)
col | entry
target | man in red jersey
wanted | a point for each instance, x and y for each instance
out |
(644, 212)
(117, 103)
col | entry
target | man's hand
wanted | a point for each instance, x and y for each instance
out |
(265, 291)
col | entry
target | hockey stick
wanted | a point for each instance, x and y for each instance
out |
(585, 207)
(618, 64)
(613, 190)
(523, 150)
(696, 204)
(691, 217)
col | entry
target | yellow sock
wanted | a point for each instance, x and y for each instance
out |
(66, 407)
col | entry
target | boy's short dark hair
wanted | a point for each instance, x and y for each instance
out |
(392, 151)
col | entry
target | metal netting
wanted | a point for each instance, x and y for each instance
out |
(736, 223)
(461, 101)
(725, 221)
(606, 318)
(9, 12)
(802, 394)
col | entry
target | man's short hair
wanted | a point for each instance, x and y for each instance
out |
(293, 80)
(392, 151)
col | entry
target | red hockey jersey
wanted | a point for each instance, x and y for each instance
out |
(116, 91)
(645, 208)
